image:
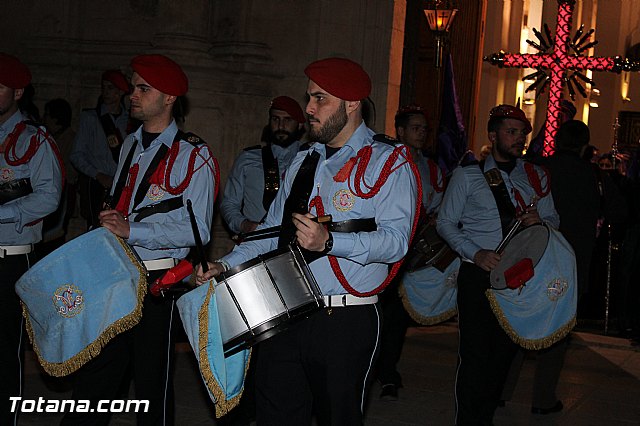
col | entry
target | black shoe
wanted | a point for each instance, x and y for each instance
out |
(544, 411)
(389, 392)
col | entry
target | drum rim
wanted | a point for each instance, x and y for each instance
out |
(253, 262)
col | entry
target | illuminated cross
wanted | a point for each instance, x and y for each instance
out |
(558, 62)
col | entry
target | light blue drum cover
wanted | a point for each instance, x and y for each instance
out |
(544, 310)
(80, 296)
(223, 377)
(428, 295)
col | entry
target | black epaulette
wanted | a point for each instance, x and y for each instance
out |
(192, 138)
(381, 137)
(471, 163)
(251, 148)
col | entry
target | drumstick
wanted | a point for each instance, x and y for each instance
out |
(196, 237)
(514, 229)
(273, 231)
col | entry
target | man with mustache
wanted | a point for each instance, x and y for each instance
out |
(321, 364)
(473, 219)
(257, 173)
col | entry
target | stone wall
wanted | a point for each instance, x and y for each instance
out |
(238, 54)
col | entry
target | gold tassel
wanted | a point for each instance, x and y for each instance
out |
(531, 344)
(223, 406)
(421, 319)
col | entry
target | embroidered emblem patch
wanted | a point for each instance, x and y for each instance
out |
(68, 301)
(452, 280)
(556, 289)
(343, 200)
(6, 174)
(155, 192)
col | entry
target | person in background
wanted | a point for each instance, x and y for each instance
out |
(411, 129)
(258, 171)
(100, 135)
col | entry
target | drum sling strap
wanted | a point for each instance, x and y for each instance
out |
(297, 202)
(298, 199)
(114, 137)
(271, 177)
(506, 209)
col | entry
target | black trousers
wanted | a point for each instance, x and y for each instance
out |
(319, 366)
(485, 351)
(11, 333)
(395, 322)
(148, 349)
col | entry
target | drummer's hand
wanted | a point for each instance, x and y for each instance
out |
(248, 226)
(530, 216)
(215, 269)
(486, 259)
(309, 234)
(115, 222)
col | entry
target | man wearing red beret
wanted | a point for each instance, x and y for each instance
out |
(257, 173)
(321, 364)
(30, 188)
(160, 169)
(474, 216)
(97, 144)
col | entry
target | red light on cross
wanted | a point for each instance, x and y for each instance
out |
(557, 62)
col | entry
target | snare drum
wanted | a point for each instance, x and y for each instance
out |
(428, 249)
(80, 296)
(261, 297)
(543, 310)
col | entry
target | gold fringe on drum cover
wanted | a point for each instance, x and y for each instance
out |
(223, 406)
(421, 319)
(531, 344)
(93, 349)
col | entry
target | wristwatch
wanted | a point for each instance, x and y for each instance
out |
(328, 245)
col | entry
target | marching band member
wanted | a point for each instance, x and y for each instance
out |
(31, 178)
(411, 129)
(257, 173)
(159, 169)
(322, 363)
(473, 220)
(97, 145)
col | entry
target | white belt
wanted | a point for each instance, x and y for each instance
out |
(157, 264)
(340, 300)
(15, 250)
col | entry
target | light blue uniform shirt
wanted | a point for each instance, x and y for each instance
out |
(469, 201)
(431, 198)
(46, 180)
(169, 234)
(91, 153)
(244, 189)
(363, 256)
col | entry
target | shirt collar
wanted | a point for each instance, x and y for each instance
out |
(361, 137)
(166, 137)
(8, 126)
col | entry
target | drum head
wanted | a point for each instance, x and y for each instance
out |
(529, 243)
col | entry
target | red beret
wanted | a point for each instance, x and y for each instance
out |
(341, 78)
(162, 73)
(509, 111)
(118, 79)
(290, 106)
(13, 73)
